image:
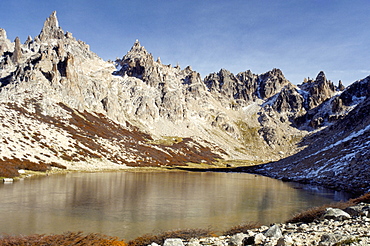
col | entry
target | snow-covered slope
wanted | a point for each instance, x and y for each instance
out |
(337, 157)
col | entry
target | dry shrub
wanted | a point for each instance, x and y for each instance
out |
(242, 228)
(9, 167)
(314, 213)
(67, 238)
(364, 198)
(54, 164)
(185, 234)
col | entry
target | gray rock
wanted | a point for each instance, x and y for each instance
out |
(336, 214)
(173, 242)
(330, 239)
(285, 241)
(17, 51)
(259, 238)
(274, 231)
(355, 211)
(237, 239)
(193, 242)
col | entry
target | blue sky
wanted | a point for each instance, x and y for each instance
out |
(301, 37)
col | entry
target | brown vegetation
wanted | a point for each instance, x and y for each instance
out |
(87, 130)
(68, 238)
(242, 228)
(9, 167)
(314, 213)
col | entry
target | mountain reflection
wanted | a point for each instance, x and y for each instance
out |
(129, 204)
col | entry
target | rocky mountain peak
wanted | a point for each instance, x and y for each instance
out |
(136, 62)
(341, 87)
(51, 29)
(17, 51)
(2, 34)
(5, 44)
(319, 90)
(320, 78)
(271, 82)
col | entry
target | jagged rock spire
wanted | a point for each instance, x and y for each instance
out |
(2, 34)
(5, 44)
(51, 29)
(17, 51)
(321, 78)
(341, 87)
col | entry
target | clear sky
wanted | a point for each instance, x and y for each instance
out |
(301, 37)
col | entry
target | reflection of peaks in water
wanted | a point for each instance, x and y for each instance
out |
(322, 191)
(132, 204)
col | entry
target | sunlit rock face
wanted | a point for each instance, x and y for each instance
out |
(59, 87)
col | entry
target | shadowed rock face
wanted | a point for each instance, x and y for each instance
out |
(248, 116)
(319, 90)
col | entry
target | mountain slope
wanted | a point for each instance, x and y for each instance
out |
(337, 157)
(61, 105)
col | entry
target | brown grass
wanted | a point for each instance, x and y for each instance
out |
(364, 198)
(314, 213)
(242, 228)
(9, 167)
(68, 238)
(185, 234)
(87, 129)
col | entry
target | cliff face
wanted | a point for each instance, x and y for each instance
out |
(58, 87)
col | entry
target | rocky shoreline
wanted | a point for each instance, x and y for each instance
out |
(336, 227)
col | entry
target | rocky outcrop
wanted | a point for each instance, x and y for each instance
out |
(290, 101)
(171, 86)
(271, 83)
(51, 29)
(5, 44)
(17, 54)
(246, 86)
(354, 93)
(319, 90)
(334, 157)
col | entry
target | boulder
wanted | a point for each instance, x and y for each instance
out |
(355, 211)
(336, 214)
(259, 238)
(330, 239)
(285, 241)
(173, 242)
(237, 239)
(274, 231)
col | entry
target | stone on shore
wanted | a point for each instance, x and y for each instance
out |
(330, 239)
(274, 231)
(336, 214)
(173, 242)
(237, 239)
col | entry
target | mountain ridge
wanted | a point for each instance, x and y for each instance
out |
(55, 79)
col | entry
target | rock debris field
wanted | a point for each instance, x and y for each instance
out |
(335, 227)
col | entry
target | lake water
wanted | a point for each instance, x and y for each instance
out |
(130, 204)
